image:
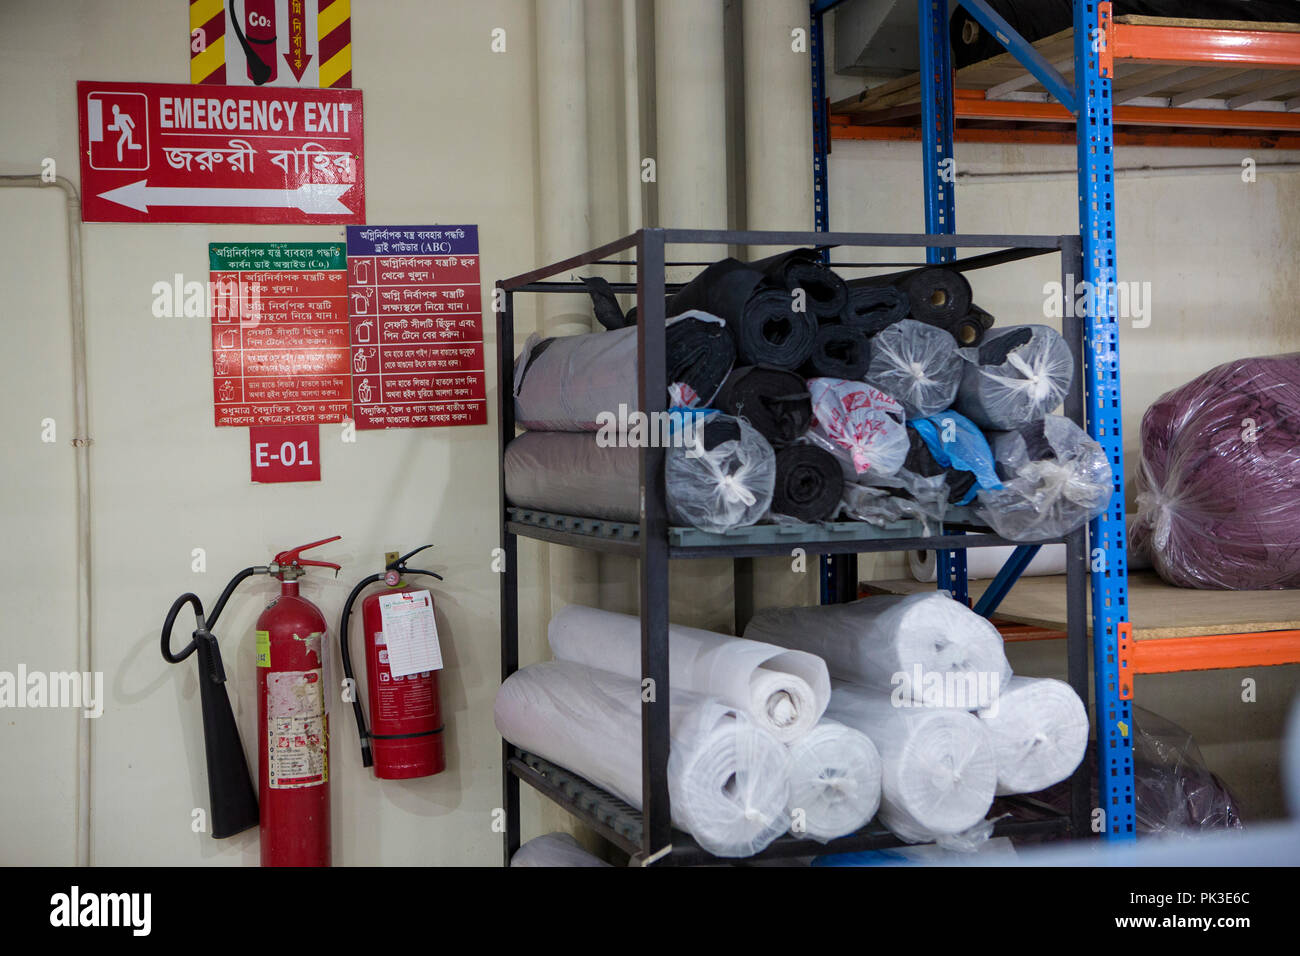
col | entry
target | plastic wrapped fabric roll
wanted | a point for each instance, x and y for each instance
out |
(918, 365)
(782, 691)
(554, 849)
(1039, 732)
(924, 648)
(939, 771)
(774, 401)
(961, 450)
(939, 297)
(826, 294)
(859, 424)
(1054, 479)
(985, 563)
(1218, 485)
(724, 480)
(728, 780)
(839, 352)
(566, 383)
(809, 483)
(873, 308)
(1018, 374)
(835, 776)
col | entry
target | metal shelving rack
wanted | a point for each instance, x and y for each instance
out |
(648, 835)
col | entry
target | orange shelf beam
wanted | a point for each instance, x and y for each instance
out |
(1171, 655)
(1204, 45)
(1043, 137)
(982, 109)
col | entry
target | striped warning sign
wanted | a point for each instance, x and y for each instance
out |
(303, 43)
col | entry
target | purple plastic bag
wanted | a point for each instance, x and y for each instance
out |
(1218, 487)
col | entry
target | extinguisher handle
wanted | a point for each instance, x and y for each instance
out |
(294, 555)
(400, 563)
(432, 574)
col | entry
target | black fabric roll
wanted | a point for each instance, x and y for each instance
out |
(920, 461)
(940, 297)
(969, 332)
(699, 356)
(873, 308)
(825, 291)
(839, 352)
(771, 332)
(996, 350)
(722, 290)
(986, 318)
(774, 401)
(809, 483)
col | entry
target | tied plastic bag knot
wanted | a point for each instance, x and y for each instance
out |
(734, 491)
(1156, 509)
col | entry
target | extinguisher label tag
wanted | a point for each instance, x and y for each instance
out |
(263, 648)
(296, 729)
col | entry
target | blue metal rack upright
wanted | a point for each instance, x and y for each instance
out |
(1090, 102)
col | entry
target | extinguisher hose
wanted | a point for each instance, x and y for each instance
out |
(204, 627)
(367, 759)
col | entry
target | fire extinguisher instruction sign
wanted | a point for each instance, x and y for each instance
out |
(411, 632)
(295, 729)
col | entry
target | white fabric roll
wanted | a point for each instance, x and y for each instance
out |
(983, 563)
(834, 782)
(939, 770)
(905, 644)
(728, 780)
(554, 849)
(1039, 732)
(783, 691)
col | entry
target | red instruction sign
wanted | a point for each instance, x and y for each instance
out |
(284, 452)
(280, 349)
(416, 309)
(164, 152)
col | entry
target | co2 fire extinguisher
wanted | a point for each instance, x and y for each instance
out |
(405, 736)
(292, 719)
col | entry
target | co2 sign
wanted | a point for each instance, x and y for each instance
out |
(284, 452)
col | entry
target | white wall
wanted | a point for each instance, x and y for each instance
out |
(449, 138)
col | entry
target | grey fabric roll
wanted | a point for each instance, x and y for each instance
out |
(1018, 374)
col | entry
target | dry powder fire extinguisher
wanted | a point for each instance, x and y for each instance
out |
(293, 719)
(404, 739)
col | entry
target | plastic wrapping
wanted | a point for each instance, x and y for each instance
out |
(1218, 486)
(728, 780)
(917, 364)
(1017, 375)
(859, 424)
(1174, 790)
(809, 483)
(567, 383)
(835, 777)
(1039, 733)
(784, 692)
(961, 449)
(1054, 479)
(724, 481)
(939, 770)
(904, 645)
(902, 497)
(569, 473)
(773, 400)
(554, 849)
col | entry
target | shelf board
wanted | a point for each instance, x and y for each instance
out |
(621, 824)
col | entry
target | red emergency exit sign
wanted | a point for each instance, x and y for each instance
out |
(284, 452)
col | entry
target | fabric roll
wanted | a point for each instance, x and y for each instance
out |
(774, 401)
(923, 648)
(1017, 375)
(918, 365)
(554, 849)
(859, 424)
(1054, 479)
(570, 473)
(960, 449)
(835, 778)
(873, 308)
(722, 289)
(825, 292)
(969, 332)
(839, 351)
(567, 383)
(937, 296)
(985, 563)
(728, 780)
(721, 480)
(809, 483)
(771, 332)
(605, 305)
(784, 692)
(939, 770)
(1038, 728)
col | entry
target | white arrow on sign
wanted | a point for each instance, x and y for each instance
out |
(320, 199)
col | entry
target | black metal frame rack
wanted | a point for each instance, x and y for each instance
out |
(648, 835)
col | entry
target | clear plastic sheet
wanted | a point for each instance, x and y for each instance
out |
(1017, 375)
(918, 365)
(728, 780)
(900, 497)
(835, 777)
(858, 424)
(725, 480)
(1054, 479)
(1039, 733)
(1218, 486)
(554, 849)
(1174, 790)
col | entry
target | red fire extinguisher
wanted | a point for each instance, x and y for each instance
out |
(256, 35)
(292, 719)
(405, 736)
